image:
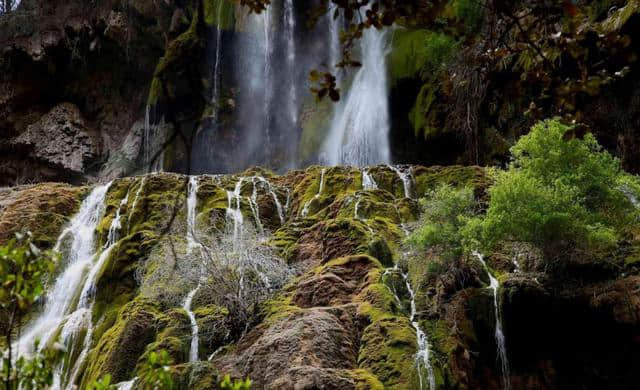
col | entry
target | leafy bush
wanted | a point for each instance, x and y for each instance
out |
(447, 211)
(22, 268)
(561, 193)
(238, 384)
(154, 374)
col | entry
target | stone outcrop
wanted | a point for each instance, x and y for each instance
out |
(61, 139)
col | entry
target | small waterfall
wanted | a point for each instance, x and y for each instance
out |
(305, 209)
(359, 132)
(406, 178)
(422, 358)
(128, 385)
(253, 204)
(116, 224)
(193, 351)
(269, 188)
(268, 72)
(234, 212)
(80, 255)
(153, 143)
(217, 60)
(136, 198)
(192, 201)
(192, 243)
(500, 340)
(335, 46)
(368, 183)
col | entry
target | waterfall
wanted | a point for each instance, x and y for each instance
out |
(135, 201)
(192, 201)
(193, 350)
(405, 177)
(305, 209)
(335, 46)
(290, 27)
(423, 355)
(500, 340)
(116, 223)
(253, 205)
(359, 131)
(234, 213)
(368, 183)
(78, 259)
(192, 243)
(58, 313)
(153, 143)
(268, 76)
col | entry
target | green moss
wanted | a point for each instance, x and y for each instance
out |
(219, 13)
(365, 380)
(173, 336)
(315, 120)
(155, 91)
(387, 350)
(419, 54)
(428, 179)
(176, 56)
(423, 115)
(119, 348)
(338, 182)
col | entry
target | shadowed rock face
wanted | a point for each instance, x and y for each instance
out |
(60, 139)
(74, 80)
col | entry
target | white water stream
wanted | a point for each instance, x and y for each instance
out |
(368, 183)
(494, 285)
(78, 258)
(290, 37)
(406, 178)
(217, 60)
(422, 358)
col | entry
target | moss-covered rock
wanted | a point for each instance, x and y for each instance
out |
(42, 209)
(118, 350)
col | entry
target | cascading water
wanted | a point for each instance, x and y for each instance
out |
(234, 213)
(500, 340)
(279, 209)
(192, 243)
(78, 259)
(153, 144)
(422, 358)
(368, 183)
(305, 209)
(405, 177)
(193, 350)
(290, 27)
(253, 204)
(359, 132)
(217, 59)
(136, 198)
(192, 202)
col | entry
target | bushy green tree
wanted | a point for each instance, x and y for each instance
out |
(154, 373)
(561, 193)
(446, 211)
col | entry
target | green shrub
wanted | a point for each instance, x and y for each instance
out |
(446, 211)
(561, 193)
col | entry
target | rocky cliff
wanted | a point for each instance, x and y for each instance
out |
(344, 301)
